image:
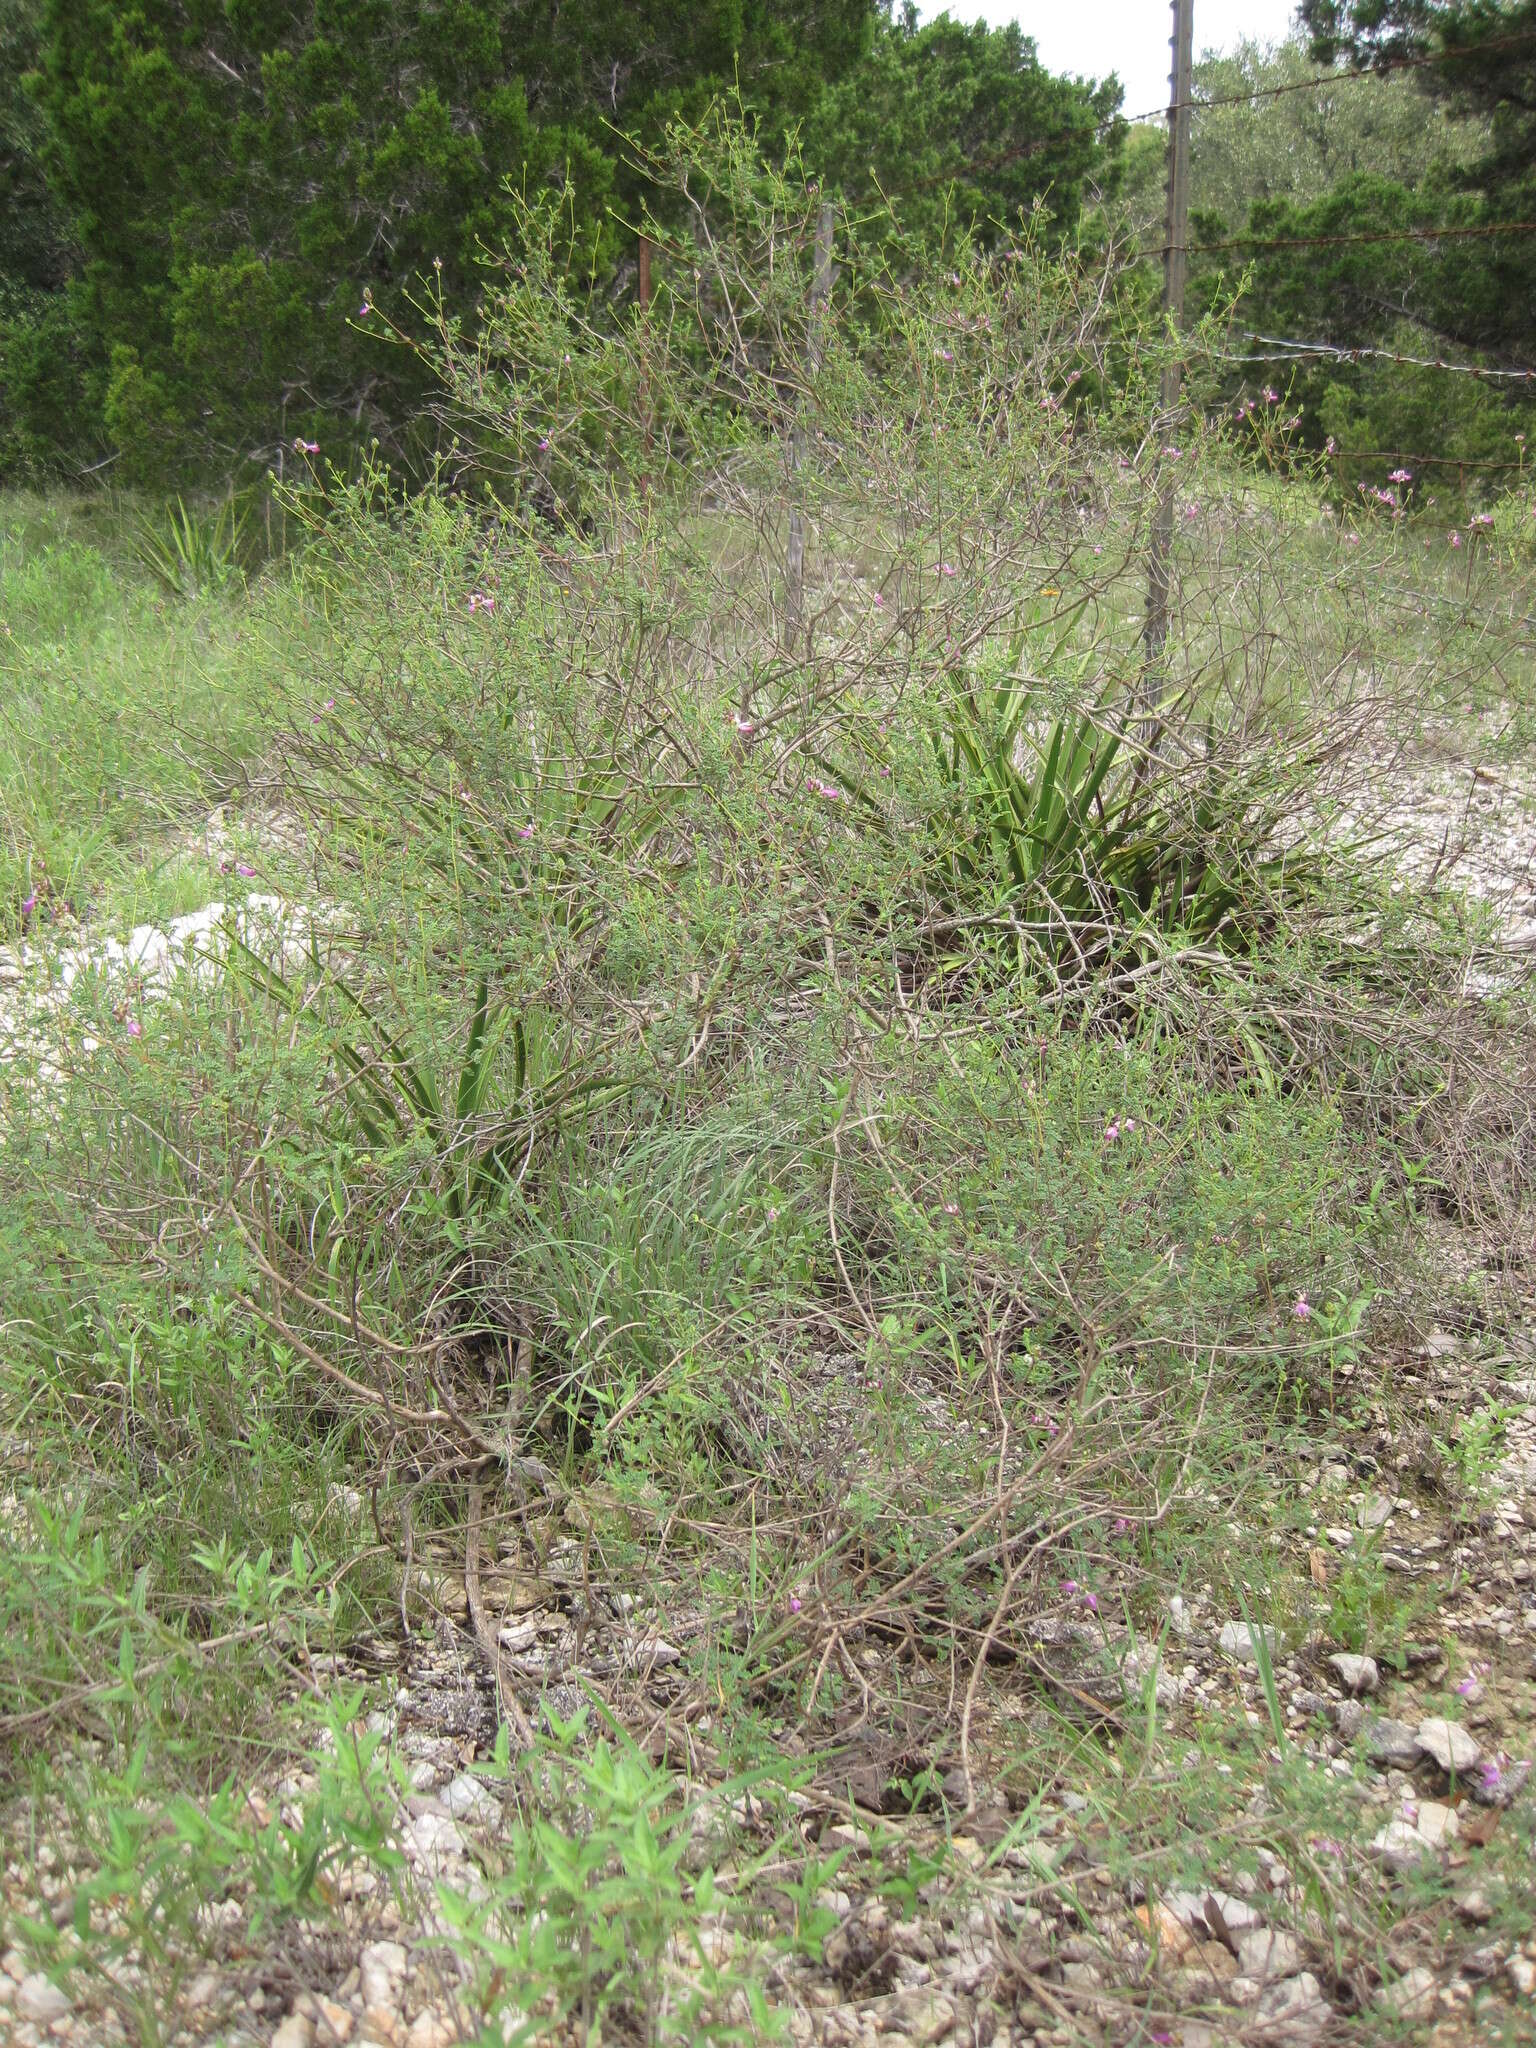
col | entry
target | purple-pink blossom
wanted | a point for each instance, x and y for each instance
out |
(794, 1604)
(1303, 1309)
(243, 867)
(134, 1028)
(29, 904)
(303, 447)
(525, 831)
(1400, 476)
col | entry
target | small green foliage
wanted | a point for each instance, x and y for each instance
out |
(607, 1904)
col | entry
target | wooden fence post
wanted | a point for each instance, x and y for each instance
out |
(1175, 270)
(794, 562)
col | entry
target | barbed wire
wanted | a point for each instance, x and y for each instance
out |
(1282, 350)
(1423, 461)
(1425, 60)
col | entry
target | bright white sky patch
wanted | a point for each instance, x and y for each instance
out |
(1091, 38)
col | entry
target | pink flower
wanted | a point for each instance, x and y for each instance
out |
(1271, 397)
(544, 444)
(1119, 1526)
(1173, 454)
(134, 1028)
(29, 904)
(1401, 476)
(303, 447)
(1069, 1585)
(794, 1604)
(1091, 1602)
(1455, 540)
(879, 600)
(1098, 551)
(1111, 1133)
(951, 1208)
(745, 726)
(244, 868)
(364, 310)
(525, 831)
(1302, 1309)
(1191, 511)
(1482, 519)
(944, 355)
(1330, 446)
(1130, 1123)
(948, 569)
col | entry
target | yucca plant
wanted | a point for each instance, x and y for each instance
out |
(483, 1120)
(1052, 824)
(190, 557)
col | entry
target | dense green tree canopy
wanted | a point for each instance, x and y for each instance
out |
(241, 174)
(1475, 59)
(1296, 141)
(34, 236)
(1353, 211)
(963, 127)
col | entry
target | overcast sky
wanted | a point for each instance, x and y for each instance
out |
(1091, 38)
